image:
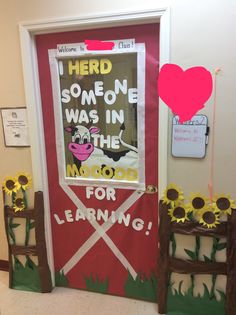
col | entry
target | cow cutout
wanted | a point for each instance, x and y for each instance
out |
(85, 152)
(81, 146)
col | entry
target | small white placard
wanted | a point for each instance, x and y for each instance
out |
(190, 138)
(15, 127)
(79, 48)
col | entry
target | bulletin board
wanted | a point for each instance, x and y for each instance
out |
(190, 138)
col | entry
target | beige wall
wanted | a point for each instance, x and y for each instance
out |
(202, 33)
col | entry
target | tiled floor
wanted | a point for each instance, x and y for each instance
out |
(67, 302)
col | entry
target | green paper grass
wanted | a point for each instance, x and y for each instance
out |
(143, 288)
(26, 277)
(187, 304)
(61, 280)
(96, 285)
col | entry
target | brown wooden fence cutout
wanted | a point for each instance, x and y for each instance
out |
(168, 264)
(41, 272)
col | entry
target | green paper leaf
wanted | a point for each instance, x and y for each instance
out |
(190, 216)
(18, 264)
(212, 294)
(29, 263)
(25, 278)
(32, 225)
(190, 291)
(175, 292)
(207, 259)
(60, 279)
(221, 246)
(97, 285)
(180, 287)
(144, 288)
(206, 291)
(14, 225)
(191, 254)
(222, 295)
(194, 305)
(12, 235)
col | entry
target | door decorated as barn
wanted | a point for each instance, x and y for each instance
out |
(100, 112)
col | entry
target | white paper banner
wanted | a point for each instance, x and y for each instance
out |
(79, 48)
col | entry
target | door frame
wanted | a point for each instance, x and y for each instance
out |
(28, 30)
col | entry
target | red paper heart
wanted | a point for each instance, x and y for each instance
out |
(185, 92)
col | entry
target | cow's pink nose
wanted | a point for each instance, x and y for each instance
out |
(76, 146)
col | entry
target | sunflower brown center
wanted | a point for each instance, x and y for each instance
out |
(23, 180)
(172, 194)
(179, 212)
(19, 202)
(10, 184)
(198, 203)
(223, 203)
(209, 217)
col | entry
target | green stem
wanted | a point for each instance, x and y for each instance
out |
(24, 197)
(11, 232)
(213, 259)
(10, 222)
(173, 244)
(197, 247)
(196, 251)
(173, 247)
(27, 231)
(27, 221)
(192, 284)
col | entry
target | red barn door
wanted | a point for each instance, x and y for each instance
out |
(100, 112)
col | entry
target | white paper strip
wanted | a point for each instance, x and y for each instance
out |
(80, 48)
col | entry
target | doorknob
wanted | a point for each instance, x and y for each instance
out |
(150, 189)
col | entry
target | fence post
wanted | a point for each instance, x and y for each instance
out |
(231, 265)
(163, 272)
(44, 271)
(9, 246)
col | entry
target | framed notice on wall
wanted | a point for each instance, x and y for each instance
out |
(15, 127)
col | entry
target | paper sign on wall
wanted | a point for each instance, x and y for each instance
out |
(190, 138)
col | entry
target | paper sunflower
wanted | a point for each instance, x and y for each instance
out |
(179, 213)
(172, 195)
(198, 202)
(19, 204)
(10, 185)
(209, 218)
(24, 180)
(223, 204)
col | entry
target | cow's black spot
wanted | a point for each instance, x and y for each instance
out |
(74, 130)
(115, 156)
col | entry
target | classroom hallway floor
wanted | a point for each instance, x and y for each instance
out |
(64, 301)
